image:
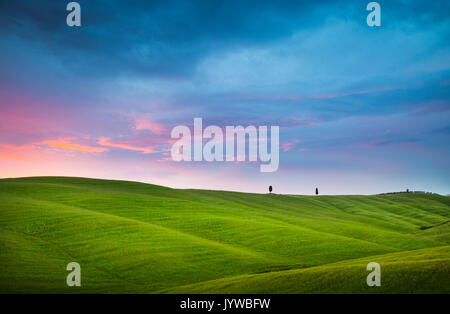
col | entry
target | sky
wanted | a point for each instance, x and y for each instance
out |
(361, 110)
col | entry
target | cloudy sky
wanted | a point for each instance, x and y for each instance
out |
(361, 110)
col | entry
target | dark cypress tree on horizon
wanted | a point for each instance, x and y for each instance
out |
(270, 189)
(317, 191)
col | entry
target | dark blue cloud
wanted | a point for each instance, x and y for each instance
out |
(160, 38)
(167, 39)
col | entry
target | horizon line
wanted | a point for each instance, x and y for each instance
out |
(232, 191)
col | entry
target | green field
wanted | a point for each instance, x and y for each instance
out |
(132, 237)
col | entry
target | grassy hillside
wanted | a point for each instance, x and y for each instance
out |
(134, 237)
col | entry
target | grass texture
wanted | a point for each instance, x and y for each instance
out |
(132, 237)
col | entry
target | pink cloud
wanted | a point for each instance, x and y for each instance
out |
(143, 122)
(288, 146)
(385, 142)
(67, 143)
(165, 159)
(434, 108)
(15, 151)
(296, 122)
(127, 145)
(361, 92)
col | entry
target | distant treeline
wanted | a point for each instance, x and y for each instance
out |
(401, 192)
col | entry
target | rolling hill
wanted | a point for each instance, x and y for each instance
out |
(132, 237)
